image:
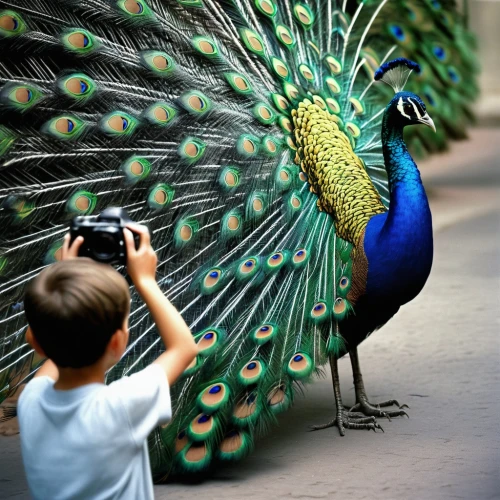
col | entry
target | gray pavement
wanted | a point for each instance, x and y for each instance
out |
(440, 355)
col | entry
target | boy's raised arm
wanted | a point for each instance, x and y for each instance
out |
(179, 343)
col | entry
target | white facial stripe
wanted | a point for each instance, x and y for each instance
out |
(415, 107)
(401, 108)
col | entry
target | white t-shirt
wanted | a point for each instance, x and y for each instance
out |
(91, 442)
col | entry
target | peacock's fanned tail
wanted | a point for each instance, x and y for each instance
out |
(182, 112)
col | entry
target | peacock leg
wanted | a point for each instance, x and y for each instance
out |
(346, 419)
(362, 404)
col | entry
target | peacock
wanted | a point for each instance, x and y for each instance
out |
(253, 138)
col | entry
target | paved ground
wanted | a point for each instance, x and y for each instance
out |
(440, 355)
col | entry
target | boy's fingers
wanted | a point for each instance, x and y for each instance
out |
(65, 247)
(142, 231)
(75, 247)
(129, 242)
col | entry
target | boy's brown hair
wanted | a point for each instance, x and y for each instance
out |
(74, 307)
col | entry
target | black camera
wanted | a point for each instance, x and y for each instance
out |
(103, 238)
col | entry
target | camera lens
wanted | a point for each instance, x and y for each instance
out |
(104, 247)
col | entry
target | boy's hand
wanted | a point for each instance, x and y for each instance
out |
(141, 262)
(71, 252)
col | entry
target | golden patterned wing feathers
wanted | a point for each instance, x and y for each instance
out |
(334, 171)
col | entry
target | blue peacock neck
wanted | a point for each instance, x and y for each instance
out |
(398, 243)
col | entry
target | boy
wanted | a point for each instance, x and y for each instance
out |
(81, 439)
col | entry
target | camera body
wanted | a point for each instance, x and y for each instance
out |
(103, 238)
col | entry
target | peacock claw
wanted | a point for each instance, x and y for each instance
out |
(350, 420)
(371, 410)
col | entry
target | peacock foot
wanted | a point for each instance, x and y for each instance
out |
(364, 407)
(350, 420)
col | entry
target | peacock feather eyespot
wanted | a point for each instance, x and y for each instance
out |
(285, 36)
(201, 427)
(454, 75)
(278, 398)
(300, 366)
(293, 203)
(247, 268)
(205, 46)
(185, 230)
(333, 85)
(195, 457)
(264, 333)
(160, 63)
(357, 106)
(248, 145)
(280, 102)
(353, 129)
(136, 168)
(333, 65)
(212, 281)
(54, 253)
(275, 259)
(307, 72)
(11, 23)
(82, 203)
(118, 123)
(280, 68)
(64, 127)
(213, 397)
(246, 409)
(256, 205)
(253, 41)
(230, 178)
(135, 9)
(304, 15)
(264, 113)
(209, 341)
(231, 224)
(77, 86)
(440, 53)
(270, 145)
(79, 41)
(160, 196)
(292, 92)
(290, 143)
(267, 7)
(283, 177)
(192, 149)
(300, 257)
(196, 102)
(397, 32)
(160, 114)
(340, 308)
(344, 282)
(319, 101)
(234, 446)
(320, 311)
(239, 83)
(251, 373)
(333, 105)
(20, 97)
(285, 124)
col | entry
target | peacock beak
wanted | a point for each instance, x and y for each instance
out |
(427, 120)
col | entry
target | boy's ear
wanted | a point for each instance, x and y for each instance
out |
(117, 343)
(30, 338)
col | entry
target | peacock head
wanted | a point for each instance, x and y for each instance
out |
(405, 108)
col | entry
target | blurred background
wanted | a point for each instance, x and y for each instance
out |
(484, 18)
